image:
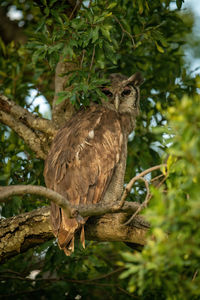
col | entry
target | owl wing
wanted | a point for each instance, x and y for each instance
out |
(80, 165)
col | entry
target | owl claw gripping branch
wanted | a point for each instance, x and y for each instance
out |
(87, 159)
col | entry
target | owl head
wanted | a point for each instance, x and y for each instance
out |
(123, 94)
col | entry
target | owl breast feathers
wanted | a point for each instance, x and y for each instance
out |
(87, 159)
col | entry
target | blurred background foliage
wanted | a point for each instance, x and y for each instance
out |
(108, 37)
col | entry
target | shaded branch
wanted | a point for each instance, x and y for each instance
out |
(35, 131)
(33, 140)
(9, 191)
(27, 118)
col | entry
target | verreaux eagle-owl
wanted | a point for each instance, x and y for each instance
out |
(87, 159)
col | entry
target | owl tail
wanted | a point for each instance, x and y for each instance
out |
(64, 229)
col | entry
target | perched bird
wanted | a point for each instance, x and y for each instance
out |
(87, 159)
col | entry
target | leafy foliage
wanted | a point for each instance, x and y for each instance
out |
(105, 37)
(169, 264)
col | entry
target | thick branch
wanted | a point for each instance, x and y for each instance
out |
(25, 117)
(9, 191)
(29, 136)
(19, 233)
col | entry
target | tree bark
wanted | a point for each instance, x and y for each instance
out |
(22, 232)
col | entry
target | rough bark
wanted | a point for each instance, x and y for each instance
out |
(31, 138)
(35, 131)
(27, 118)
(22, 232)
(19, 233)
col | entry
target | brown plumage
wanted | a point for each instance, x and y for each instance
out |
(87, 158)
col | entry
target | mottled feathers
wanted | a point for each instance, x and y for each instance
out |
(80, 165)
(87, 158)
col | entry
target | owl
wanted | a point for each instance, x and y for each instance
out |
(87, 159)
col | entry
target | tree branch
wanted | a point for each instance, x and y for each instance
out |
(87, 210)
(22, 232)
(70, 210)
(144, 204)
(35, 131)
(124, 31)
(27, 118)
(28, 135)
(136, 178)
(8, 191)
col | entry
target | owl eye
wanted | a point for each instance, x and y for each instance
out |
(107, 92)
(126, 92)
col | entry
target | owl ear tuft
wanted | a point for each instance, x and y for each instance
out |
(135, 80)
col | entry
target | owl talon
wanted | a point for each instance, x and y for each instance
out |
(80, 219)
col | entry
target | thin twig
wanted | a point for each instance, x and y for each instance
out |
(121, 38)
(162, 181)
(124, 30)
(143, 205)
(157, 177)
(127, 293)
(148, 195)
(82, 58)
(78, 2)
(92, 61)
(195, 275)
(91, 64)
(134, 179)
(20, 277)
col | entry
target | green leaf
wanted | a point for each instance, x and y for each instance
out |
(2, 45)
(141, 7)
(159, 48)
(112, 5)
(62, 96)
(106, 31)
(95, 34)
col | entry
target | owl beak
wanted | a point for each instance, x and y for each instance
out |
(116, 102)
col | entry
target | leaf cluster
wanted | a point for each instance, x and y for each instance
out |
(169, 264)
